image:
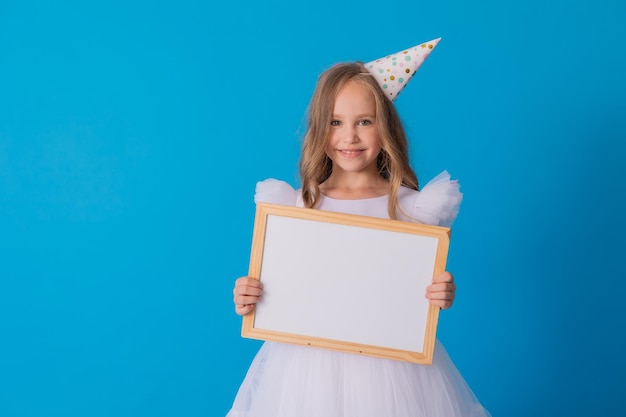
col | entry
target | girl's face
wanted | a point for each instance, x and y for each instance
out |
(353, 144)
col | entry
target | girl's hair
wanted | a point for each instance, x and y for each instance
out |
(393, 160)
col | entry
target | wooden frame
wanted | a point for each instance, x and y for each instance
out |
(345, 282)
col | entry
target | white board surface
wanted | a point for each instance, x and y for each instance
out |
(344, 282)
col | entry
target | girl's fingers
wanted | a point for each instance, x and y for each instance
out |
(446, 287)
(246, 290)
(248, 282)
(248, 286)
(442, 291)
(246, 294)
(443, 304)
(244, 308)
(444, 277)
(246, 299)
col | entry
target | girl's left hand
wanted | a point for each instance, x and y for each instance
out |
(442, 291)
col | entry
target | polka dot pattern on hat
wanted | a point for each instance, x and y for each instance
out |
(393, 72)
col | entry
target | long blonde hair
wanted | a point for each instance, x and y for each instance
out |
(393, 160)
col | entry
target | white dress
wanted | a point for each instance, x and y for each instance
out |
(287, 380)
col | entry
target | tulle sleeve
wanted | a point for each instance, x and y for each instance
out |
(438, 201)
(275, 192)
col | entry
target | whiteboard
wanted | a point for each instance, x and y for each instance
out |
(345, 282)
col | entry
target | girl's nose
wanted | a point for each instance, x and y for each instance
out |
(351, 135)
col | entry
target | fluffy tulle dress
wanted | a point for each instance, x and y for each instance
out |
(297, 381)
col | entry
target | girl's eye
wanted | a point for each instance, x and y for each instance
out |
(335, 123)
(365, 122)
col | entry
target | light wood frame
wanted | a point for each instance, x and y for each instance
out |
(336, 310)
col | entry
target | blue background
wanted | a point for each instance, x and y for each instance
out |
(132, 135)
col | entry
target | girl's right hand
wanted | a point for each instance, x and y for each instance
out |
(247, 292)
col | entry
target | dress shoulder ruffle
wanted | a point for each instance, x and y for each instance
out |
(437, 203)
(275, 191)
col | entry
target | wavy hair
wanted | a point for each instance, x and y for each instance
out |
(393, 160)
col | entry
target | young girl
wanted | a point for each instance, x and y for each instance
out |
(355, 160)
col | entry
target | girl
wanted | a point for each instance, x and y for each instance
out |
(355, 160)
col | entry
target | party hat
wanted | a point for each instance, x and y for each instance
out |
(394, 72)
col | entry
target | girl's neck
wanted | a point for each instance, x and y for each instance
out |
(353, 186)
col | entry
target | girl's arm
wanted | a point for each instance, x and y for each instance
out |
(442, 291)
(247, 293)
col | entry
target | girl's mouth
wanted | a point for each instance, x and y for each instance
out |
(349, 153)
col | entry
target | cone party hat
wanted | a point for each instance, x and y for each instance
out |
(394, 72)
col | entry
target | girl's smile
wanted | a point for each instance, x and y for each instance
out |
(351, 153)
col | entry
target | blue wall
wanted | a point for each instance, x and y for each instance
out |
(132, 135)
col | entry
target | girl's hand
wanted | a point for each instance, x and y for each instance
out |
(442, 291)
(247, 293)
